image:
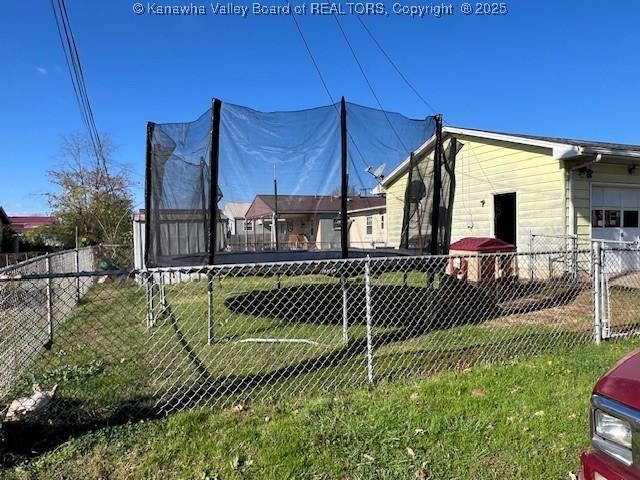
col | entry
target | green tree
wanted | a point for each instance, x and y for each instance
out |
(92, 194)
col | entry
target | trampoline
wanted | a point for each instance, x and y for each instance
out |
(303, 181)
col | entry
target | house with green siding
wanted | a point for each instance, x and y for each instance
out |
(510, 186)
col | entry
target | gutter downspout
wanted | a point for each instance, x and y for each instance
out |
(572, 209)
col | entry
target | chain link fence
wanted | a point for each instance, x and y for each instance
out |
(29, 311)
(129, 344)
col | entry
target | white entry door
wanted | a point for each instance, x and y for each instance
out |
(615, 215)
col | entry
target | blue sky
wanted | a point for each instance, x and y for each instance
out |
(563, 68)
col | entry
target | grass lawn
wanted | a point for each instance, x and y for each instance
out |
(525, 419)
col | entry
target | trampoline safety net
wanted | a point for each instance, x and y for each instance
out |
(293, 185)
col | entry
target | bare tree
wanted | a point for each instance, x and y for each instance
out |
(93, 194)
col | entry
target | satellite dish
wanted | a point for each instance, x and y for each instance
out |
(416, 191)
(377, 173)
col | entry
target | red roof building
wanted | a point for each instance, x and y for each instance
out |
(24, 224)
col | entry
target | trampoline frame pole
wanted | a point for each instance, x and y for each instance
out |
(404, 237)
(147, 194)
(344, 192)
(437, 188)
(210, 321)
(213, 186)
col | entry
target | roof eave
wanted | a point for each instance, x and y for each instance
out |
(396, 172)
(610, 152)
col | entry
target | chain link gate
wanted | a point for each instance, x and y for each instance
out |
(616, 289)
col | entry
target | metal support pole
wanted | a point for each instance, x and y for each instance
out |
(77, 252)
(148, 279)
(437, 188)
(367, 291)
(344, 183)
(210, 319)
(163, 297)
(574, 266)
(345, 311)
(531, 257)
(213, 184)
(597, 294)
(49, 306)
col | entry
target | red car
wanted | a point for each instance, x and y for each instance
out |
(615, 424)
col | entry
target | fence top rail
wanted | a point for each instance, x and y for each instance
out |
(571, 236)
(348, 266)
(40, 258)
(43, 276)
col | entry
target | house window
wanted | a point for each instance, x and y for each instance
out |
(611, 218)
(336, 224)
(381, 222)
(597, 218)
(248, 225)
(630, 218)
(369, 225)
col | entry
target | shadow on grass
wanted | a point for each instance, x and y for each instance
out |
(412, 311)
(65, 419)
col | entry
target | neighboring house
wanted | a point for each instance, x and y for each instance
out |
(235, 213)
(304, 221)
(5, 221)
(183, 233)
(367, 225)
(24, 224)
(511, 185)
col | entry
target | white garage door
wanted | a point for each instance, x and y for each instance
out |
(615, 218)
(614, 213)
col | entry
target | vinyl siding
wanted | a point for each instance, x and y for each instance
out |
(486, 167)
(358, 237)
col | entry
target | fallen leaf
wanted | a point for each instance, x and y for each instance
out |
(572, 416)
(238, 408)
(411, 453)
(368, 457)
(422, 474)
(463, 366)
(419, 431)
(414, 397)
(511, 419)
(539, 413)
(477, 392)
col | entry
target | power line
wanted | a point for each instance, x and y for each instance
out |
(394, 65)
(366, 78)
(326, 88)
(74, 67)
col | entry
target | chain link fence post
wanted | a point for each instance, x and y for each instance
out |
(210, 321)
(531, 257)
(148, 280)
(597, 294)
(49, 305)
(163, 297)
(77, 260)
(345, 311)
(574, 257)
(367, 291)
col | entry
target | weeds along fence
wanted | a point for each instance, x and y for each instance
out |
(29, 312)
(140, 343)
(8, 259)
